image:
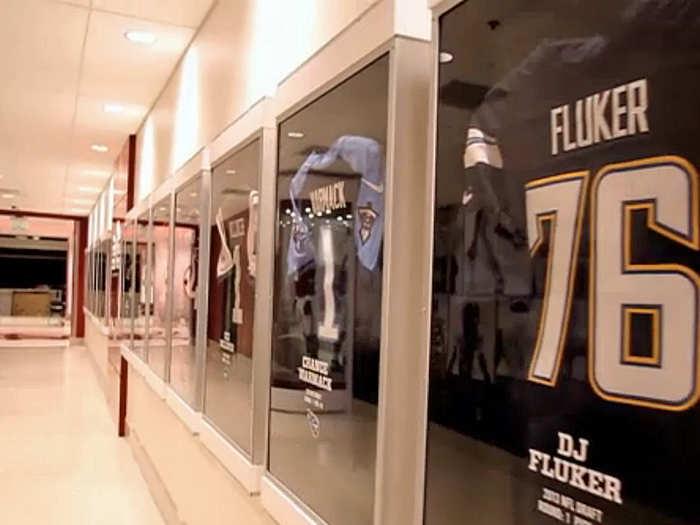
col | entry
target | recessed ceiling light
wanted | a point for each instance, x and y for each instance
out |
(193, 194)
(140, 37)
(113, 108)
(295, 135)
(88, 189)
(8, 195)
(445, 57)
(231, 172)
(100, 148)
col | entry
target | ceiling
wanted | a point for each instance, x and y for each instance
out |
(62, 63)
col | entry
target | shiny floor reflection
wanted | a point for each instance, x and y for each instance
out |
(60, 459)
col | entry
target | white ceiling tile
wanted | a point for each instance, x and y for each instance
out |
(62, 61)
(189, 13)
(41, 44)
(118, 70)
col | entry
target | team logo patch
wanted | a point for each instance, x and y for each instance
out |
(368, 217)
(314, 423)
(300, 234)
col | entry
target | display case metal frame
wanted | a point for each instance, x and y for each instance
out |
(400, 460)
(438, 8)
(197, 166)
(256, 124)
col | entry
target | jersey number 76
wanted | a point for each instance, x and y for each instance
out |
(667, 295)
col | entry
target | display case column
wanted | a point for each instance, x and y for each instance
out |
(264, 294)
(202, 308)
(406, 301)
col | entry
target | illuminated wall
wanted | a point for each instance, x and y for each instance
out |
(242, 51)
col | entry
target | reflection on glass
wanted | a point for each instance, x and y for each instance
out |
(555, 125)
(106, 249)
(102, 268)
(158, 323)
(127, 282)
(143, 297)
(234, 222)
(88, 280)
(183, 370)
(328, 298)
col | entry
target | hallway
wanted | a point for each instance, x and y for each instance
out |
(60, 459)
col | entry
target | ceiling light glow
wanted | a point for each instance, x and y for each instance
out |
(295, 135)
(8, 195)
(100, 148)
(140, 37)
(445, 57)
(113, 108)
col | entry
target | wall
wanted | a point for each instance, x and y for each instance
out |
(178, 459)
(242, 51)
(97, 343)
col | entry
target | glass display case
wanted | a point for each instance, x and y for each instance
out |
(158, 283)
(327, 297)
(143, 296)
(89, 280)
(564, 345)
(183, 362)
(232, 273)
(127, 283)
(103, 270)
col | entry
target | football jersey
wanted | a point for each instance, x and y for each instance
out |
(579, 123)
(364, 156)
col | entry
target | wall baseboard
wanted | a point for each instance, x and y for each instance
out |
(155, 484)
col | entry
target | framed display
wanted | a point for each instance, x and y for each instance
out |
(327, 297)
(185, 271)
(127, 282)
(142, 288)
(564, 357)
(159, 255)
(232, 275)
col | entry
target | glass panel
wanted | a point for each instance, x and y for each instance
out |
(562, 388)
(127, 281)
(183, 370)
(234, 221)
(158, 323)
(104, 270)
(328, 298)
(143, 292)
(88, 273)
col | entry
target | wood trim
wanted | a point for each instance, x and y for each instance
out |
(131, 174)
(79, 247)
(123, 389)
(42, 215)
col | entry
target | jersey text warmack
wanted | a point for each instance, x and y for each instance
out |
(608, 115)
(328, 198)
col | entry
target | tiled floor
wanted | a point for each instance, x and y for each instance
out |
(60, 459)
